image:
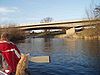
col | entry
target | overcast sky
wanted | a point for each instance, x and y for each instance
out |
(30, 11)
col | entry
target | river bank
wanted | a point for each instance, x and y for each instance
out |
(91, 33)
(76, 36)
(88, 34)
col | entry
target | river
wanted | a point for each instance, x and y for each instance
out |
(68, 56)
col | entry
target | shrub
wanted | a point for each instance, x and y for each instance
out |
(15, 34)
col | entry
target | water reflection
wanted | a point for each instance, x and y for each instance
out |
(71, 45)
(91, 50)
(68, 56)
(47, 45)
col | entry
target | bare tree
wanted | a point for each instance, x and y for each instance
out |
(97, 17)
(93, 13)
(46, 20)
(97, 12)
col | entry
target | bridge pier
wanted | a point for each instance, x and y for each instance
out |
(46, 31)
(70, 31)
(64, 30)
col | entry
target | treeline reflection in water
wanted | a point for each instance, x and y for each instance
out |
(68, 56)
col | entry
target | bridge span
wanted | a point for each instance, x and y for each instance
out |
(59, 25)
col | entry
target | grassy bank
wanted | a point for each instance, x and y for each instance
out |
(91, 33)
(15, 34)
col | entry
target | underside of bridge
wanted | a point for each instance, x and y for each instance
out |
(47, 28)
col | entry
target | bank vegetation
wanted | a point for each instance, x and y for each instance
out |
(93, 32)
(16, 34)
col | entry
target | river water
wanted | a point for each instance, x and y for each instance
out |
(68, 56)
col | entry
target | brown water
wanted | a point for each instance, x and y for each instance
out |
(68, 56)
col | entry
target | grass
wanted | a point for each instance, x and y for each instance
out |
(91, 33)
(88, 32)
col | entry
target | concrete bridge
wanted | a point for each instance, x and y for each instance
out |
(67, 27)
(59, 25)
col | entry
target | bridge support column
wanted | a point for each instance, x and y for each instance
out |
(70, 31)
(64, 30)
(46, 31)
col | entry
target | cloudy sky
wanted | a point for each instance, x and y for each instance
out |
(30, 11)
